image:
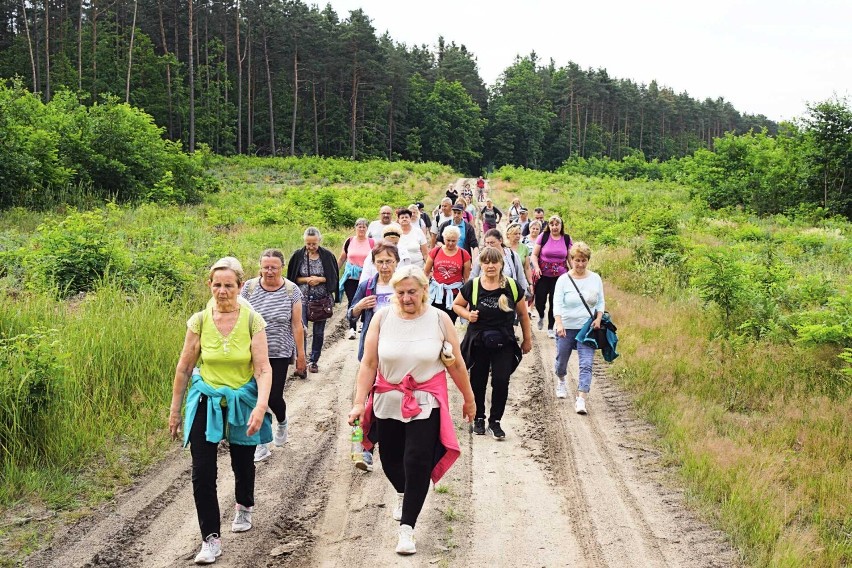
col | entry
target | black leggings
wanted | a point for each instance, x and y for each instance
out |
(407, 450)
(277, 404)
(204, 473)
(349, 288)
(499, 362)
(544, 289)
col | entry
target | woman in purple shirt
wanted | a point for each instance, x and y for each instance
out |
(549, 261)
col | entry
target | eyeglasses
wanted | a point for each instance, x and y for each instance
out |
(385, 262)
(270, 268)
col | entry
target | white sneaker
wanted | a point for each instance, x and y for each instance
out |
(551, 334)
(405, 545)
(242, 519)
(350, 334)
(580, 405)
(211, 549)
(562, 389)
(279, 436)
(261, 452)
(397, 511)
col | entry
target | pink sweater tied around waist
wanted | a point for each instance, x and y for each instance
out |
(437, 387)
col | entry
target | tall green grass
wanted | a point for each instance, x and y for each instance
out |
(754, 409)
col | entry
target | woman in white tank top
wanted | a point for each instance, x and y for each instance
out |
(403, 372)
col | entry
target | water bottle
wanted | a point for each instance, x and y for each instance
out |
(357, 446)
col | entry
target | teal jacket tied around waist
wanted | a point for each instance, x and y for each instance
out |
(240, 402)
(586, 335)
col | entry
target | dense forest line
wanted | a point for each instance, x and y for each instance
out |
(285, 78)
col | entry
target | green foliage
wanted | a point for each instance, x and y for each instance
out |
(832, 324)
(73, 254)
(720, 279)
(57, 152)
(31, 372)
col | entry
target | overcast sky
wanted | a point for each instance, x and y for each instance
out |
(764, 56)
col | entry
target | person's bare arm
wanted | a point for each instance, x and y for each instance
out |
(183, 371)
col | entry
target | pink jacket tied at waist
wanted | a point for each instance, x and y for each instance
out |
(437, 387)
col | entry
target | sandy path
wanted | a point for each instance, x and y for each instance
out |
(561, 490)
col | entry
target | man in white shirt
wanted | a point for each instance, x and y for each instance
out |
(374, 231)
(445, 214)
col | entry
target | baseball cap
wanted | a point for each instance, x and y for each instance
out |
(458, 207)
(524, 210)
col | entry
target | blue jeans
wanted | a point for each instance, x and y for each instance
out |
(564, 347)
(319, 335)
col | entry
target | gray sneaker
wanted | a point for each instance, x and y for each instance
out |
(540, 324)
(211, 549)
(242, 519)
(280, 435)
(261, 452)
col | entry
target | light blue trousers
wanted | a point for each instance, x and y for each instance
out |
(564, 347)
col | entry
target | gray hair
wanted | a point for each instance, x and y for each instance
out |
(313, 232)
(446, 200)
(361, 221)
(451, 231)
(228, 263)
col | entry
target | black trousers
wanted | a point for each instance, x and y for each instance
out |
(204, 473)
(544, 289)
(277, 404)
(407, 450)
(499, 363)
(349, 288)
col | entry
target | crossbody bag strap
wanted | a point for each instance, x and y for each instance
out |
(581, 295)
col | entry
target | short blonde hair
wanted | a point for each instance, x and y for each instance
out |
(413, 272)
(227, 263)
(451, 231)
(581, 248)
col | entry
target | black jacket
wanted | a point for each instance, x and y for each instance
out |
(329, 270)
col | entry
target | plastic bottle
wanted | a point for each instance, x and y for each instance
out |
(357, 440)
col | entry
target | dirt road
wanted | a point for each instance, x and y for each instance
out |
(561, 490)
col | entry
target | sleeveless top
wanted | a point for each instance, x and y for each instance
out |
(226, 359)
(408, 347)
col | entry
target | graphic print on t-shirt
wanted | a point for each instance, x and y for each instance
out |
(383, 296)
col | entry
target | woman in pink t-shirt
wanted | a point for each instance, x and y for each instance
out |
(355, 250)
(449, 268)
(549, 261)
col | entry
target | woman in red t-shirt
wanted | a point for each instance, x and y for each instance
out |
(449, 268)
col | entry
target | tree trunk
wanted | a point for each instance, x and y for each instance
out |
(130, 52)
(249, 105)
(168, 69)
(354, 104)
(80, 49)
(30, 46)
(295, 100)
(269, 91)
(47, 50)
(316, 122)
(240, 59)
(191, 82)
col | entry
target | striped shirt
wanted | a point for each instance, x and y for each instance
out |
(276, 307)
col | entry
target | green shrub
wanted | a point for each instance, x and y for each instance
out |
(73, 254)
(31, 365)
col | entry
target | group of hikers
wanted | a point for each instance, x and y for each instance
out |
(409, 278)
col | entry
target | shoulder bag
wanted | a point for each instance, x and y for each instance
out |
(319, 309)
(606, 323)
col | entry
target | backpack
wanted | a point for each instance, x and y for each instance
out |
(475, 293)
(252, 285)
